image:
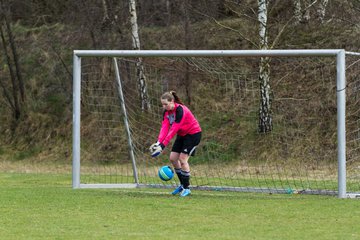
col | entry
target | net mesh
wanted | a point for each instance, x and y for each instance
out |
(298, 155)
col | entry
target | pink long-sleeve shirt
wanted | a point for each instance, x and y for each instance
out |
(178, 121)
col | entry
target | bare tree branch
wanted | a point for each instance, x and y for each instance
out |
(227, 27)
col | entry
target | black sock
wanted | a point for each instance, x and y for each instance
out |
(185, 179)
(178, 173)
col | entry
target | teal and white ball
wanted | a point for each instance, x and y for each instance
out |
(166, 173)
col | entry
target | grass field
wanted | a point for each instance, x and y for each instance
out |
(42, 206)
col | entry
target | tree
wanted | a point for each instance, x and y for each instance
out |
(297, 11)
(303, 14)
(265, 118)
(141, 79)
(187, 41)
(17, 96)
(322, 9)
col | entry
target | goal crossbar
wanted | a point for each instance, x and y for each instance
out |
(207, 53)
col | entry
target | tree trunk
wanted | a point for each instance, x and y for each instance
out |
(297, 11)
(13, 100)
(15, 59)
(187, 41)
(265, 118)
(321, 10)
(84, 7)
(306, 15)
(106, 17)
(168, 12)
(302, 14)
(17, 95)
(145, 104)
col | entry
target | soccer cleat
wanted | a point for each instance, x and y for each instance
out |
(185, 192)
(177, 190)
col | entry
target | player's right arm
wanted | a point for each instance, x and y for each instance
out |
(156, 148)
(165, 126)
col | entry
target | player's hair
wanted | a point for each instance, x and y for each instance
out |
(171, 95)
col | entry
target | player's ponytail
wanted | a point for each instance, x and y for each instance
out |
(171, 95)
(176, 98)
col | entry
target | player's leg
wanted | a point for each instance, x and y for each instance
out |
(189, 146)
(182, 170)
(174, 159)
(185, 170)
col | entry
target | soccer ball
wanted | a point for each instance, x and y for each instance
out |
(166, 173)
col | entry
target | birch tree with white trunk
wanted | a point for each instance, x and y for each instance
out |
(297, 11)
(322, 10)
(304, 9)
(140, 72)
(265, 118)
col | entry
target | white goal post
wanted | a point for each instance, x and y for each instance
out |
(337, 54)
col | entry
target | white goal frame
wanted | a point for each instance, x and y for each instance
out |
(339, 54)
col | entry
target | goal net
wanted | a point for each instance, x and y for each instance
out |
(118, 98)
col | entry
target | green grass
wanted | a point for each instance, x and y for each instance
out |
(40, 206)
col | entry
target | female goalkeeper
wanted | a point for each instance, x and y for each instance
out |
(178, 120)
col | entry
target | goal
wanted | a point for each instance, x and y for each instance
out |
(311, 147)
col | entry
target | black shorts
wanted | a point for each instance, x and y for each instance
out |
(186, 144)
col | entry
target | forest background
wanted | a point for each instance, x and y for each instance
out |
(38, 38)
